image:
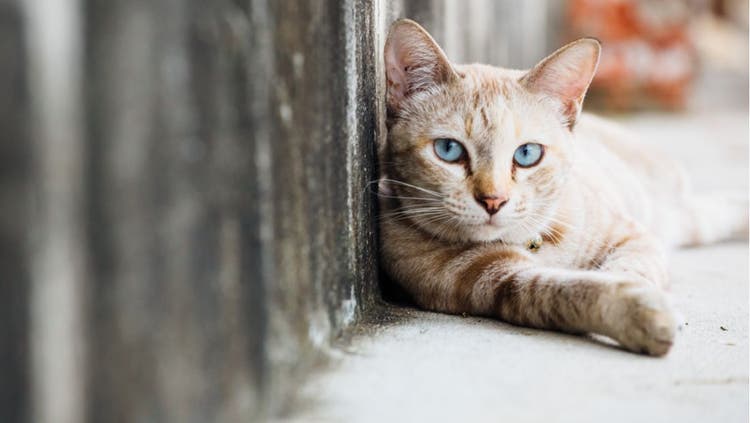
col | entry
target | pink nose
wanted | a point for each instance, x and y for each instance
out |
(492, 202)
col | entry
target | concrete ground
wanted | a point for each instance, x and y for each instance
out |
(418, 366)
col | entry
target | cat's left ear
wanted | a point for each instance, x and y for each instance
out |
(566, 75)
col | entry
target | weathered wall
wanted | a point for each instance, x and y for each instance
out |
(231, 238)
(15, 154)
(187, 221)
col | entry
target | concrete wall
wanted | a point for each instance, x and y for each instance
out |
(187, 224)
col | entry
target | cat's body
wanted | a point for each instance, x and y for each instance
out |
(572, 241)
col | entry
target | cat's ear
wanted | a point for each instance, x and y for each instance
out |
(413, 62)
(565, 75)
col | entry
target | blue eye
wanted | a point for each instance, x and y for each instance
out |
(528, 155)
(449, 150)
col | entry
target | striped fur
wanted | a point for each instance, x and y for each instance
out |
(603, 206)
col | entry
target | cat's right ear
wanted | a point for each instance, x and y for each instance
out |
(413, 62)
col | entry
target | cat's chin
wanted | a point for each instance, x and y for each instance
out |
(484, 233)
(492, 233)
(477, 232)
(508, 232)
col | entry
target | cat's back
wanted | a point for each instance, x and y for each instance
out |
(593, 130)
(615, 162)
(609, 140)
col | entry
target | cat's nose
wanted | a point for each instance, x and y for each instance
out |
(493, 202)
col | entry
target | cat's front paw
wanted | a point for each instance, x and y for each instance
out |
(640, 319)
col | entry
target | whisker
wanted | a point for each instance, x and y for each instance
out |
(549, 219)
(400, 215)
(425, 190)
(415, 207)
(398, 197)
(536, 222)
(413, 212)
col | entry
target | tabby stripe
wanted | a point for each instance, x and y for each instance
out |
(486, 265)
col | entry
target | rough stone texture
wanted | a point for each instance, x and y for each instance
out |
(15, 169)
(319, 152)
(230, 230)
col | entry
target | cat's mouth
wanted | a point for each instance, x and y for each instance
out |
(495, 221)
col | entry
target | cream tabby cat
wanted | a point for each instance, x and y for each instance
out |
(498, 198)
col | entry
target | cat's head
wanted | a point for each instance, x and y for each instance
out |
(474, 152)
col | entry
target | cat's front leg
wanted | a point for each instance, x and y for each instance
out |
(634, 313)
(638, 310)
(510, 284)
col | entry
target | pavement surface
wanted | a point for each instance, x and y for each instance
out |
(415, 366)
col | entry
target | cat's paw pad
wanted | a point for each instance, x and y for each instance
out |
(641, 319)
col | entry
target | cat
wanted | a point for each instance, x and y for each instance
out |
(499, 198)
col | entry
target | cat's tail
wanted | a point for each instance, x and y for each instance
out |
(706, 219)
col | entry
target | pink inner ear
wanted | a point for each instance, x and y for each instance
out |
(394, 63)
(404, 54)
(413, 62)
(574, 90)
(566, 75)
(395, 74)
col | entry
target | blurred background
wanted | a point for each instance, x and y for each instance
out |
(658, 55)
(666, 55)
(185, 221)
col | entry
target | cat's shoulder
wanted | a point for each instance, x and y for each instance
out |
(607, 139)
(603, 129)
(592, 130)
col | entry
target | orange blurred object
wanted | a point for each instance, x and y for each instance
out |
(647, 59)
